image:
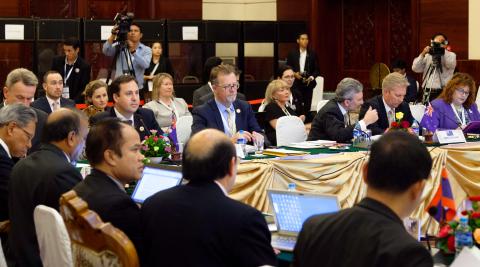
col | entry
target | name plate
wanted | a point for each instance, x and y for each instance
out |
(449, 136)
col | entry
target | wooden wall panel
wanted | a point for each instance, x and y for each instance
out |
(294, 10)
(169, 9)
(447, 16)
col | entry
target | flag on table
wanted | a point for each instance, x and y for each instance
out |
(443, 200)
(172, 134)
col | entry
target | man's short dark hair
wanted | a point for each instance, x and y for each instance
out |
(106, 134)
(397, 161)
(138, 25)
(115, 85)
(300, 33)
(75, 43)
(282, 68)
(45, 76)
(210, 63)
(205, 166)
(399, 64)
(57, 130)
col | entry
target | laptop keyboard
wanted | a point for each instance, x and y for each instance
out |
(286, 243)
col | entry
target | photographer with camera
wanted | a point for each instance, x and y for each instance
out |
(131, 57)
(437, 65)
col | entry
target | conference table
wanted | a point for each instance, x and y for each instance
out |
(340, 172)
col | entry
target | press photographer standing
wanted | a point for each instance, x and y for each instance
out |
(135, 58)
(437, 65)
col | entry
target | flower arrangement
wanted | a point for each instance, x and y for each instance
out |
(400, 124)
(446, 235)
(156, 145)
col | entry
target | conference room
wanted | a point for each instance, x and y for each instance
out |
(321, 43)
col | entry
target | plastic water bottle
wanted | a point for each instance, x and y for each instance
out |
(463, 235)
(242, 141)
(416, 128)
(292, 187)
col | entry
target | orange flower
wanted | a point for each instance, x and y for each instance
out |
(476, 235)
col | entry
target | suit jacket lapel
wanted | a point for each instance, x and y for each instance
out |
(217, 115)
(382, 113)
(238, 117)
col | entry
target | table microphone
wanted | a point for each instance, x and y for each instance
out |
(432, 211)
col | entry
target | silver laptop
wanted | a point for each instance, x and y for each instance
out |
(156, 178)
(291, 209)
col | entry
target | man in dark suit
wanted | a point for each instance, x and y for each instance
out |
(390, 102)
(203, 94)
(113, 150)
(225, 112)
(17, 128)
(304, 63)
(333, 122)
(53, 99)
(42, 177)
(215, 230)
(372, 232)
(125, 92)
(20, 87)
(400, 66)
(74, 70)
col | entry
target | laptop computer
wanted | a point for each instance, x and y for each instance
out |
(156, 178)
(291, 209)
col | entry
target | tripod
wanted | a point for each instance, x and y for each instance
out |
(434, 70)
(122, 50)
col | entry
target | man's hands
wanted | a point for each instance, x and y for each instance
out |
(425, 51)
(371, 116)
(249, 136)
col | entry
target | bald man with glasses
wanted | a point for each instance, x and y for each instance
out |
(225, 112)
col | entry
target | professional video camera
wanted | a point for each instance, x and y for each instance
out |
(437, 51)
(123, 21)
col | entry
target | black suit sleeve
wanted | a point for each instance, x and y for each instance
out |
(253, 247)
(333, 127)
(199, 121)
(125, 215)
(63, 182)
(6, 166)
(374, 127)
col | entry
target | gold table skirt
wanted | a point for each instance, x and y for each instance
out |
(341, 174)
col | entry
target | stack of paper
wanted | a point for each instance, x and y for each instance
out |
(280, 152)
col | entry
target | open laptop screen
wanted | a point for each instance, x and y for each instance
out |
(155, 179)
(292, 208)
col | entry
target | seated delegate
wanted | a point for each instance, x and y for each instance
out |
(164, 104)
(277, 96)
(96, 97)
(455, 107)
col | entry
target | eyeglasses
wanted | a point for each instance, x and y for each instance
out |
(289, 77)
(460, 91)
(234, 86)
(29, 135)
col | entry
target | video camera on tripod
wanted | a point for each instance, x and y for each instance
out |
(123, 21)
(437, 50)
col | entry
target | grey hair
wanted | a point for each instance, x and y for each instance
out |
(21, 75)
(347, 88)
(392, 80)
(18, 113)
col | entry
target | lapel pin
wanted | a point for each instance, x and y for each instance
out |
(142, 129)
(238, 110)
(77, 70)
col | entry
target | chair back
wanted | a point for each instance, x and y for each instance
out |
(184, 128)
(317, 94)
(94, 243)
(52, 236)
(3, 263)
(320, 104)
(477, 101)
(417, 111)
(290, 129)
(190, 79)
